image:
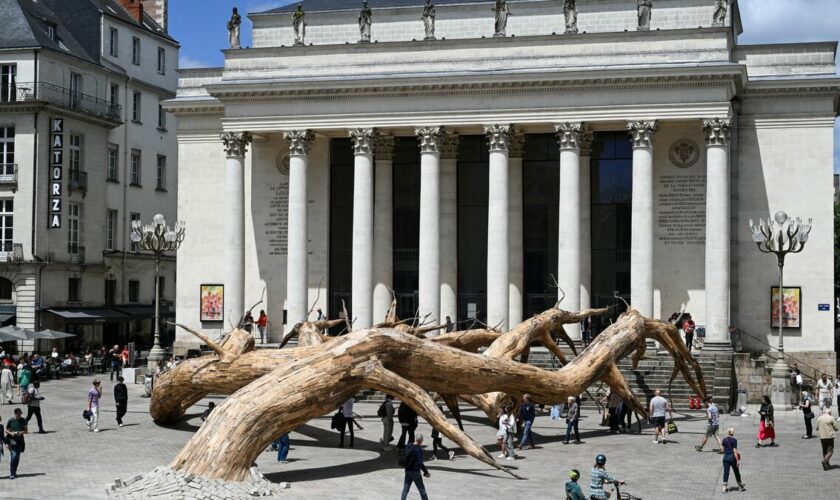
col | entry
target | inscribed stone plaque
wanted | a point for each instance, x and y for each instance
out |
(277, 222)
(682, 209)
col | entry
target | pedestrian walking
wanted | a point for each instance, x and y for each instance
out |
(248, 322)
(93, 396)
(766, 424)
(121, 399)
(806, 405)
(407, 418)
(437, 442)
(825, 392)
(613, 402)
(33, 405)
(731, 460)
(599, 478)
(6, 385)
(413, 465)
(15, 441)
(501, 433)
(796, 380)
(572, 420)
(658, 408)
(24, 378)
(625, 416)
(508, 421)
(386, 414)
(713, 416)
(115, 356)
(450, 326)
(688, 327)
(282, 445)
(347, 411)
(527, 415)
(573, 489)
(827, 429)
(262, 326)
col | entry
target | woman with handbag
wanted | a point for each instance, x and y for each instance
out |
(807, 413)
(731, 460)
(765, 425)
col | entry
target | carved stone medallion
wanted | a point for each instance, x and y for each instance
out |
(282, 162)
(684, 153)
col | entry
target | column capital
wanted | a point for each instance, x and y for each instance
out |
(586, 143)
(569, 135)
(236, 143)
(430, 139)
(383, 147)
(499, 136)
(449, 146)
(363, 140)
(642, 132)
(299, 141)
(517, 144)
(717, 131)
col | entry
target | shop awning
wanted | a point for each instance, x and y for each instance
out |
(5, 317)
(91, 315)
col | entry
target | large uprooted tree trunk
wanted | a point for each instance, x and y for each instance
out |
(275, 391)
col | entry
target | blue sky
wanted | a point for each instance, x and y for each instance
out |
(199, 26)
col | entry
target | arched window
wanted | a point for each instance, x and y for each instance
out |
(6, 290)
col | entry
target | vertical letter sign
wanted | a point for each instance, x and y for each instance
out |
(56, 167)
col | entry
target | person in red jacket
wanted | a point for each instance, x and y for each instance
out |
(262, 325)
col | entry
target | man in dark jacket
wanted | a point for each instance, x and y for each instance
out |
(121, 397)
(527, 414)
(408, 421)
(413, 466)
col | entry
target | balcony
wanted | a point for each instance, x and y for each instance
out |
(75, 253)
(43, 92)
(11, 252)
(77, 181)
(9, 175)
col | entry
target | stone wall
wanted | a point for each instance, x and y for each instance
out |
(752, 372)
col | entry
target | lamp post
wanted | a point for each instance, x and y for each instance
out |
(157, 238)
(780, 236)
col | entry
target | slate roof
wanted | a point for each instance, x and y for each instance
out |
(112, 8)
(25, 24)
(325, 5)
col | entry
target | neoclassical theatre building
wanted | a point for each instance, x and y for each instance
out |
(620, 150)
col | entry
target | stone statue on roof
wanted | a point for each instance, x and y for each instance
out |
(299, 24)
(570, 11)
(365, 20)
(502, 12)
(428, 18)
(233, 29)
(719, 16)
(643, 8)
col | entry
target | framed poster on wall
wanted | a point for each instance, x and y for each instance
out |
(212, 302)
(792, 303)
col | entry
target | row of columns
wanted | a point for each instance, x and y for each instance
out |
(373, 238)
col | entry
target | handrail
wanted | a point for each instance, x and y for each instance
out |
(817, 373)
(62, 96)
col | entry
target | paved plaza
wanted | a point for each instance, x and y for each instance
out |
(70, 462)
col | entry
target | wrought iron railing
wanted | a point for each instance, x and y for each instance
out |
(77, 181)
(60, 96)
(11, 252)
(8, 174)
(75, 253)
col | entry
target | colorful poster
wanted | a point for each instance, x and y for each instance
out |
(212, 302)
(792, 307)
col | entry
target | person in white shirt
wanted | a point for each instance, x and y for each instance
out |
(658, 407)
(347, 411)
(825, 391)
(54, 354)
(508, 421)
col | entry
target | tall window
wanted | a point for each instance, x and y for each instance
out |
(110, 292)
(135, 167)
(161, 118)
(135, 107)
(74, 225)
(75, 89)
(133, 291)
(111, 221)
(7, 225)
(8, 77)
(75, 155)
(51, 30)
(135, 51)
(132, 246)
(7, 150)
(113, 41)
(7, 289)
(161, 60)
(161, 172)
(113, 162)
(115, 94)
(73, 288)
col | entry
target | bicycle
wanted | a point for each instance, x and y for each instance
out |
(623, 496)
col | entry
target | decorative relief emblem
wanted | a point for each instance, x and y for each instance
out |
(282, 162)
(684, 153)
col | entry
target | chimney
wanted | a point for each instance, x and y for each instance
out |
(134, 7)
(156, 9)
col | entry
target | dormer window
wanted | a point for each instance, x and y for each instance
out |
(51, 31)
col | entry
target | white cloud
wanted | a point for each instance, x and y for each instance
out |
(185, 61)
(778, 21)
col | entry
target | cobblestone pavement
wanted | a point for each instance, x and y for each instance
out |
(70, 462)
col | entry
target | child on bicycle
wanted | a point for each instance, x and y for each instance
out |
(573, 489)
(599, 478)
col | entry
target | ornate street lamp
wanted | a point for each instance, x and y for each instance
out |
(157, 238)
(780, 236)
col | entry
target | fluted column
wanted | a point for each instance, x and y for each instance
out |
(383, 216)
(297, 288)
(498, 270)
(449, 227)
(516, 296)
(585, 222)
(236, 146)
(429, 258)
(641, 240)
(362, 267)
(717, 233)
(569, 135)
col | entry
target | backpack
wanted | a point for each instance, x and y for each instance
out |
(25, 397)
(337, 420)
(405, 459)
(381, 413)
